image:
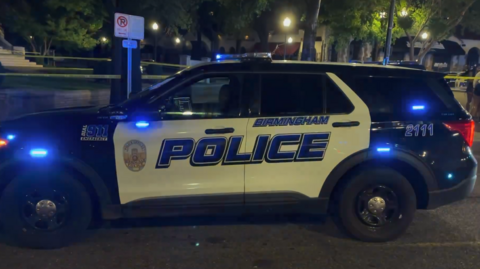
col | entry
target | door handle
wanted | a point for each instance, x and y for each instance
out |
(220, 131)
(346, 124)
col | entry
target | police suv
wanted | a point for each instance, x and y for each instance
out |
(368, 143)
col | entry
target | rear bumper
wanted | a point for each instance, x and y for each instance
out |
(459, 192)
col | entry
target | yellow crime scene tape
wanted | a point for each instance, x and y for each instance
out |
(100, 59)
(67, 68)
(78, 76)
(118, 76)
(163, 64)
(66, 57)
(464, 78)
(59, 75)
(154, 76)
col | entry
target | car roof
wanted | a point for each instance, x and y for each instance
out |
(354, 69)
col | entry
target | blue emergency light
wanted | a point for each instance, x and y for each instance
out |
(142, 124)
(418, 107)
(261, 56)
(38, 153)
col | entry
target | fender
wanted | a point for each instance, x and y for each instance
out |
(368, 154)
(86, 171)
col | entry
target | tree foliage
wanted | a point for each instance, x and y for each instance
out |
(362, 20)
(240, 16)
(437, 19)
(172, 15)
(71, 23)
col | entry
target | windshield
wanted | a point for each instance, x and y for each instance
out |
(148, 92)
(158, 85)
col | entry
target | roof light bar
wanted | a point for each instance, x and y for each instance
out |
(257, 56)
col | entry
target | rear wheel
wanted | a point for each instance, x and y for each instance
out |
(45, 210)
(376, 205)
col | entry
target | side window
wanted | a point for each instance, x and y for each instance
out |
(297, 94)
(337, 102)
(291, 94)
(205, 98)
(398, 98)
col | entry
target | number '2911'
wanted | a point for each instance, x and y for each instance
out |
(419, 129)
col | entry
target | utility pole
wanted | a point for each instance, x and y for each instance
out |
(388, 43)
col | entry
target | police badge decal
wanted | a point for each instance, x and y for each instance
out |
(135, 155)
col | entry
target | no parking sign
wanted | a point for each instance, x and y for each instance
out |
(129, 26)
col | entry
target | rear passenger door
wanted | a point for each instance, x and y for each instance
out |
(301, 127)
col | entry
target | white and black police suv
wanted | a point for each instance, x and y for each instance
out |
(371, 144)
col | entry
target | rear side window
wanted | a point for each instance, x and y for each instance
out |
(402, 99)
(297, 94)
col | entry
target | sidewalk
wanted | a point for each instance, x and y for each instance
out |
(476, 138)
(476, 153)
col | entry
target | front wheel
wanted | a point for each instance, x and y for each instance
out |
(44, 210)
(375, 205)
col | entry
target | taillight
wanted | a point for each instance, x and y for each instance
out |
(465, 128)
(3, 143)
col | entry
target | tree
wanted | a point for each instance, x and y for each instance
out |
(311, 18)
(431, 21)
(42, 24)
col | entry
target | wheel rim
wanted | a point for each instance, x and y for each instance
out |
(45, 209)
(378, 206)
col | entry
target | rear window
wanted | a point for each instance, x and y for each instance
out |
(400, 99)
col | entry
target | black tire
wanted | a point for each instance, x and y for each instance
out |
(348, 202)
(70, 195)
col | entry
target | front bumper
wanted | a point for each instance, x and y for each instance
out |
(459, 192)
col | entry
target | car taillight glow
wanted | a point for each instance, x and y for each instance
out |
(465, 128)
(3, 143)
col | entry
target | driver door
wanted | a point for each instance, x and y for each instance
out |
(180, 154)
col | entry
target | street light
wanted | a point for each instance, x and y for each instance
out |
(404, 13)
(290, 40)
(286, 23)
(425, 35)
(155, 28)
(177, 40)
(104, 39)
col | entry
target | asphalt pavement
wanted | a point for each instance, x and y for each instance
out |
(448, 237)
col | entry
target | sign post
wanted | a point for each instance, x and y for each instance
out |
(129, 71)
(130, 27)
